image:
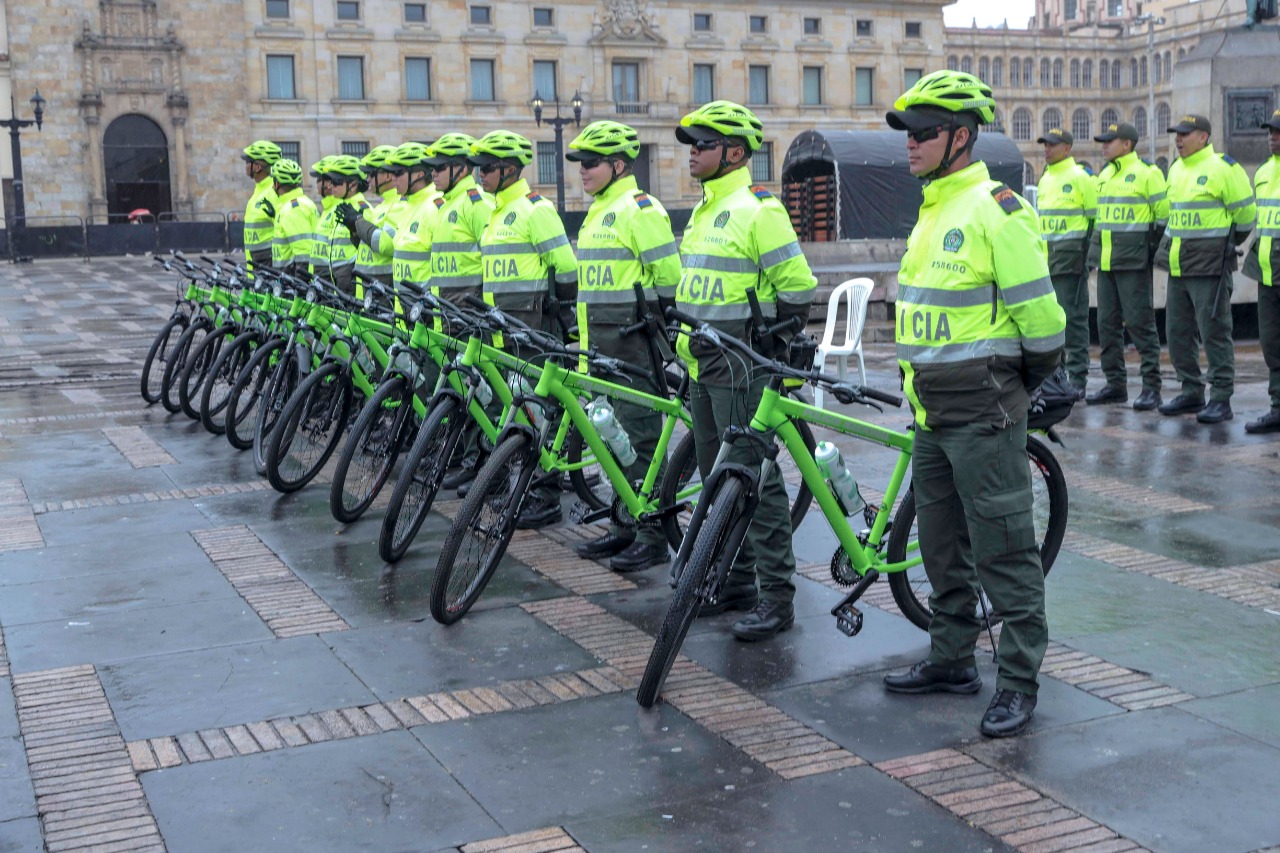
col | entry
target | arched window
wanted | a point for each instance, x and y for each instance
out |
(966, 64)
(1057, 74)
(1086, 75)
(1109, 117)
(1142, 70)
(1168, 65)
(1163, 117)
(1044, 74)
(997, 126)
(953, 63)
(984, 69)
(1022, 125)
(1015, 73)
(1081, 124)
(1052, 118)
(1075, 74)
(1181, 53)
(997, 71)
(1156, 70)
(1027, 79)
(1104, 74)
(135, 156)
(1140, 121)
(1133, 73)
(1115, 74)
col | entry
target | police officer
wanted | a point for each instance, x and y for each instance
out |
(326, 202)
(411, 258)
(1132, 210)
(295, 222)
(455, 267)
(1067, 199)
(1211, 212)
(979, 328)
(626, 238)
(523, 246)
(739, 237)
(376, 228)
(1263, 266)
(260, 211)
(346, 183)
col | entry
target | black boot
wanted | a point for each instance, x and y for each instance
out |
(538, 513)
(1008, 714)
(1182, 404)
(1107, 394)
(603, 548)
(927, 677)
(732, 596)
(767, 619)
(640, 556)
(1215, 413)
(1270, 422)
(459, 476)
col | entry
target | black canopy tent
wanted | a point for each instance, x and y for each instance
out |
(876, 195)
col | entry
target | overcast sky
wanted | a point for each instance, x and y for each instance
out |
(988, 13)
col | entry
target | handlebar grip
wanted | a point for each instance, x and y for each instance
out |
(793, 322)
(628, 331)
(208, 260)
(476, 302)
(881, 397)
(674, 313)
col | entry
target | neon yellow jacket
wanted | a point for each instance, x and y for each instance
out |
(320, 239)
(1208, 195)
(377, 236)
(1067, 198)
(411, 259)
(738, 237)
(456, 269)
(523, 245)
(1132, 210)
(1263, 261)
(978, 323)
(295, 228)
(259, 226)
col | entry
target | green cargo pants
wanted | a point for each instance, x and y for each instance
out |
(1073, 295)
(975, 524)
(766, 551)
(1189, 319)
(1125, 302)
(1269, 336)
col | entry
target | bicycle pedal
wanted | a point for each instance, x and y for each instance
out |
(849, 620)
(578, 511)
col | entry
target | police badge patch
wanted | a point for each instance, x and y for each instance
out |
(953, 241)
(608, 220)
(1128, 179)
(722, 220)
(1067, 188)
(413, 229)
(453, 216)
(511, 217)
(1202, 180)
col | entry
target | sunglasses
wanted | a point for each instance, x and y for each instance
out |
(592, 163)
(395, 171)
(708, 144)
(925, 134)
(443, 167)
(489, 167)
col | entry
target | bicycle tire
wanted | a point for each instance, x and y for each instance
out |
(708, 549)
(420, 477)
(589, 484)
(682, 467)
(173, 368)
(1049, 500)
(197, 368)
(500, 487)
(311, 425)
(215, 391)
(242, 403)
(371, 450)
(153, 366)
(283, 380)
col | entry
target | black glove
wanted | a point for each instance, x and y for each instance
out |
(267, 207)
(348, 215)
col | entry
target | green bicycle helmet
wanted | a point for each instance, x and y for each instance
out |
(377, 158)
(942, 92)
(720, 119)
(407, 156)
(262, 151)
(286, 171)
(450, 148)
(319, 167)
(500, 145)
(344, 167)
(605, 139)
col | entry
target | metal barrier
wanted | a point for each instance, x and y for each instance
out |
(52, 237)
(120, 234)
(192, 232)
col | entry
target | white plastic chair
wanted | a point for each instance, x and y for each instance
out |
(854, 294)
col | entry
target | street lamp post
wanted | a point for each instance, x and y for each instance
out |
(1151, 20)
(18, 218)
(559, 124)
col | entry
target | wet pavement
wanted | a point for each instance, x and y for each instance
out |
(192, 662)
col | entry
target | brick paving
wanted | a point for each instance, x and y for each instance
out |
(137, 447)
(552, 840)
(18, 527)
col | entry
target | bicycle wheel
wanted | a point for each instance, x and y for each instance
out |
(682, 474)
(158, 356)
(242, 403)
(589, 483)
(280, 387)
(708, 551)
(215, 391)
(1049, 512)
(173, 368)
(371, 450)
(310, 427)
(197, 369)
(420, 478)
(483, 528)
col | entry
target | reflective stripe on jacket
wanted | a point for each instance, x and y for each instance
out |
(523, 244)
(1132, 204)
(295, 228)
(978, 323)
(455, 239)
(259, 228)
(411, 261)
(373, 257)
(1263, 261)
(1208, 194)
(1067, 198)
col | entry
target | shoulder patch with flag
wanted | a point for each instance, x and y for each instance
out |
(1006, 198)
(643, 200)
(293, 203)
(534, 197)
(439, 202)
(474, 195)
(761, 192)
(1228, 159)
